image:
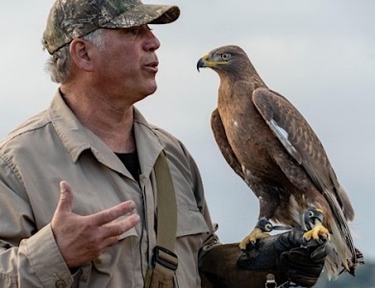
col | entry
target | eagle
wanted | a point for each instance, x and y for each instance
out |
(271, 146)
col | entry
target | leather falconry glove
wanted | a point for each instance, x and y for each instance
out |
(287, 256)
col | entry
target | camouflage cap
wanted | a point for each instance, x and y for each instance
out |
(69, 19)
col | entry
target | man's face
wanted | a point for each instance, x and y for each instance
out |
(127, 65)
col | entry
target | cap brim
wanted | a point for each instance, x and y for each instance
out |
(144, 14)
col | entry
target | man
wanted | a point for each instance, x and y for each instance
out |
(78, 185)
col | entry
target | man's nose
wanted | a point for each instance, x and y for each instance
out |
(152, 43)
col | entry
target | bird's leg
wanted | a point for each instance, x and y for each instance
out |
(261, 230)
(313, 218)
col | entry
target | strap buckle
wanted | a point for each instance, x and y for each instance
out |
(270, 281)
(165, 258)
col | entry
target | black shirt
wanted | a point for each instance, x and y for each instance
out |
(131, 162)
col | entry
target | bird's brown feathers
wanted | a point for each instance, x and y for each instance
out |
(270, 145)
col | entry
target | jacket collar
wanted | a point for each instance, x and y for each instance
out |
(77, 139)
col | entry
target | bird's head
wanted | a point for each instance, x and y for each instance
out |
(264, 225)
(311, 216)
(224, 60)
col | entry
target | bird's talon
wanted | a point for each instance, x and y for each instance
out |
(252, 238)
(317, 232)
(243, 244)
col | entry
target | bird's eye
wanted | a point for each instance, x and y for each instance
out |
(225, 56)
(311, 213)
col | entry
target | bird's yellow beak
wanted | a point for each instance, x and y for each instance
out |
(205, 62)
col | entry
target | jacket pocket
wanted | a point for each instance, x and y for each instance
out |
(190, 221)
(130, 232)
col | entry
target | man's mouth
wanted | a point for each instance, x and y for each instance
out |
(152, 66)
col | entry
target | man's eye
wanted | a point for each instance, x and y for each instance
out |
(135, 30)
(138, 30)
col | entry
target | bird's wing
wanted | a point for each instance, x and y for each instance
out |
(298, 138)
(222, 142)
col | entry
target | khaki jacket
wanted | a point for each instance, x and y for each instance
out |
(54, 146)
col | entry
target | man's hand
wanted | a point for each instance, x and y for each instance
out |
(302, 262)
(286, 256)
(289, 256)
(82, 239)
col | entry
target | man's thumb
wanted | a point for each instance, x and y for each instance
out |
(66, 197)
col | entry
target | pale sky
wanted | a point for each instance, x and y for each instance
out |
(319, 54)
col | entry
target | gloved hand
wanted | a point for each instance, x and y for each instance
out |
(286, 256)
(303, 265)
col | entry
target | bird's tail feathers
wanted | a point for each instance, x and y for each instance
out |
(346, 254)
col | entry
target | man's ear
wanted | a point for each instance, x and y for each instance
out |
(80, 54)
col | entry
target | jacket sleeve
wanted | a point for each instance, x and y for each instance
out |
(29, 256)
(212, 239)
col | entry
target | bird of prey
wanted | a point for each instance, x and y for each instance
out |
(270, 145)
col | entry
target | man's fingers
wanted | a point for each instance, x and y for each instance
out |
(117, 228)
(321, 252)
(111, 214)
(66, 198)
(130, 222)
